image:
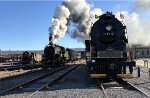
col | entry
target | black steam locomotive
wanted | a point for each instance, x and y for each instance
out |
(108, 55)
(55, 55)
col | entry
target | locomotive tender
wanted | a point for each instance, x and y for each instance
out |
(107, 53)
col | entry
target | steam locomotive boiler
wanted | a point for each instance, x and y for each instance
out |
(108, 55)
(53, 55)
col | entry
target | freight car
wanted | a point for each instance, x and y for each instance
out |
(30, 58)
(55, 55)
(108, 54)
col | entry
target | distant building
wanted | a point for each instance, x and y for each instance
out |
(141, 52)
(15, 56)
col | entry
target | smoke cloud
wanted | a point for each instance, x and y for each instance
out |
(77, 14)
(137, 29)
(142, 4)
(138, 23)
(59, 23)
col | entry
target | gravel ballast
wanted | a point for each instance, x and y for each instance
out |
(77, 85)
(11, 82)
(142, 82)
(74, 85)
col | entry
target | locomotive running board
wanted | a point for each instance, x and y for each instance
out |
(105, 76)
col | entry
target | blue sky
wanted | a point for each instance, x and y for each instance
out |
(24, 24)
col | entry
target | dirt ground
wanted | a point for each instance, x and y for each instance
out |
(5, 74)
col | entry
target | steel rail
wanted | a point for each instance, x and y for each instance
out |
(132, 86)
(52, 82)
(33, 80)
(102, 87)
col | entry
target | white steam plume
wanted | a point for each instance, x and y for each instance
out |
(59, 23)
(138, 23)
(142, 4)
(79, 16)
(76, 13)
(137, 29)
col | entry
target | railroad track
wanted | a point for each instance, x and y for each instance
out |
(15, 70)
(44, 81)
(100, 85)
(122, 84)
(128, 84)
(18, 67)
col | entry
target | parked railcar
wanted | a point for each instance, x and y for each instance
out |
(36, 57)
(108, 54)
(27, 58)
(30, 58)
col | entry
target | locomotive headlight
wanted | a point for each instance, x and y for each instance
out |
(108, 28)
(93, 61)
